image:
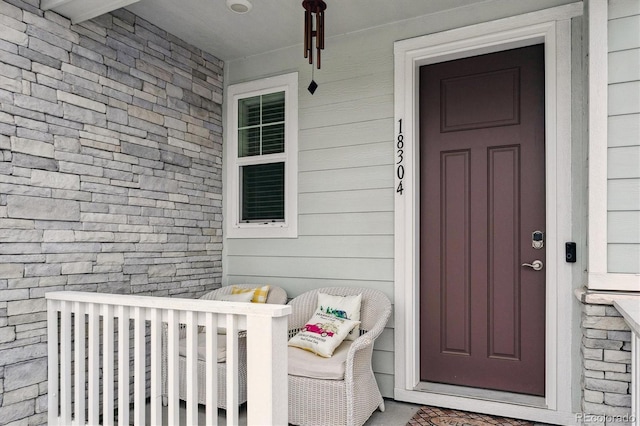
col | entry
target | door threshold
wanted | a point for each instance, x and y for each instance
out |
(482, 394)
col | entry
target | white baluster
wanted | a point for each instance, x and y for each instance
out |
(80, 361)
(192, 368)
(173, 323)
(53, 339)
(123, 365)
(139, 385)
(65, 363)
(94, 364)
(107, 365)
(232, 370)
(156, 367)
(212, 369)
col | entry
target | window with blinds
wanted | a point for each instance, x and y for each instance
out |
(262, 187)
(261, 130)
(262, 158)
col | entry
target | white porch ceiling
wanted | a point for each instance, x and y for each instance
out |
(273, 24)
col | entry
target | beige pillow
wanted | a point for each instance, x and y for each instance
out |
(347, 307)
(240, 297)
(259, 293)
(322, 334)
(306, 364)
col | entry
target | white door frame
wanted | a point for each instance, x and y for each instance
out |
(553, 28)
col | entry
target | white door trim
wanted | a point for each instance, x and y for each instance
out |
(553, 28)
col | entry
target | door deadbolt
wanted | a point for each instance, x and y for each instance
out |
(536, 265)
(537, 240)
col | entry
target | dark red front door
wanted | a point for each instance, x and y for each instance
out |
(482, 196)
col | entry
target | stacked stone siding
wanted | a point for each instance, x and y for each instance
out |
(606, 355)
(110, 175)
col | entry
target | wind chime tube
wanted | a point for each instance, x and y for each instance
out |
(310, 35)
(321, 25)
(319, 36)
(306, 33)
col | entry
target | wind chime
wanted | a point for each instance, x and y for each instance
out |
(317, 8)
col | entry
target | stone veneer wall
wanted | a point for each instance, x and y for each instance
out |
(606, 357)
(110, 175)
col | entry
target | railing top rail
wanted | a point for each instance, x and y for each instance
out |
(630, 310)
(215, 306)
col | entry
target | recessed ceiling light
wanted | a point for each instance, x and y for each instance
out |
(239, 6)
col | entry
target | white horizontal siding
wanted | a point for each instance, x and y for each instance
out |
(623, 33)
(370, 108)
(365, 223)
(367, 177)
(624, 194)
(624, 162)
(353, 87)
(348, 134)
(623, 159)
(382, 362)
(624, 98)
(624, 66)
(324, 246)
(624, 130)
(623, 8)
(333, 268)
(624, 258)
(370, 200)
(346, 158)
(624, 227)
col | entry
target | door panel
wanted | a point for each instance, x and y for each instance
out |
(482, 195)
(455, 204)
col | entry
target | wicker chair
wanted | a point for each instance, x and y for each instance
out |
(276, 296)
(352, 400)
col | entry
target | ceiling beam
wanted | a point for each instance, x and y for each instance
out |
(83, 10)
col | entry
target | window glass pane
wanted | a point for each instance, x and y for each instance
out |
(249, 142)
(273, 108)
(249, 112)
(273, 139)
(262, 187)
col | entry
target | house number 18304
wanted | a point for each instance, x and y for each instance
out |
(400, 158)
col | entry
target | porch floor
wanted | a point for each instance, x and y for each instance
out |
(396, 413)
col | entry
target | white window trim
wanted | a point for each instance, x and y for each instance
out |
(289, 227)
(599, 276)
(552, 27)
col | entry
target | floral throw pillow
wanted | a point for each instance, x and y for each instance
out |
(347, 307)
(322, 334)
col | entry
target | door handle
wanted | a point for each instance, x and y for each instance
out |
(536, 265)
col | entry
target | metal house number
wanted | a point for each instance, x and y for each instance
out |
(400, 157)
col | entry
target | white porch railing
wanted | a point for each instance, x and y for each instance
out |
(82, 349)
(630, 310)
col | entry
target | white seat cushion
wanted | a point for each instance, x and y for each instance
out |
(307, 364)
(202, 347)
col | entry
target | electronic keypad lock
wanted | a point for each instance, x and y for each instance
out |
(537, 240)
